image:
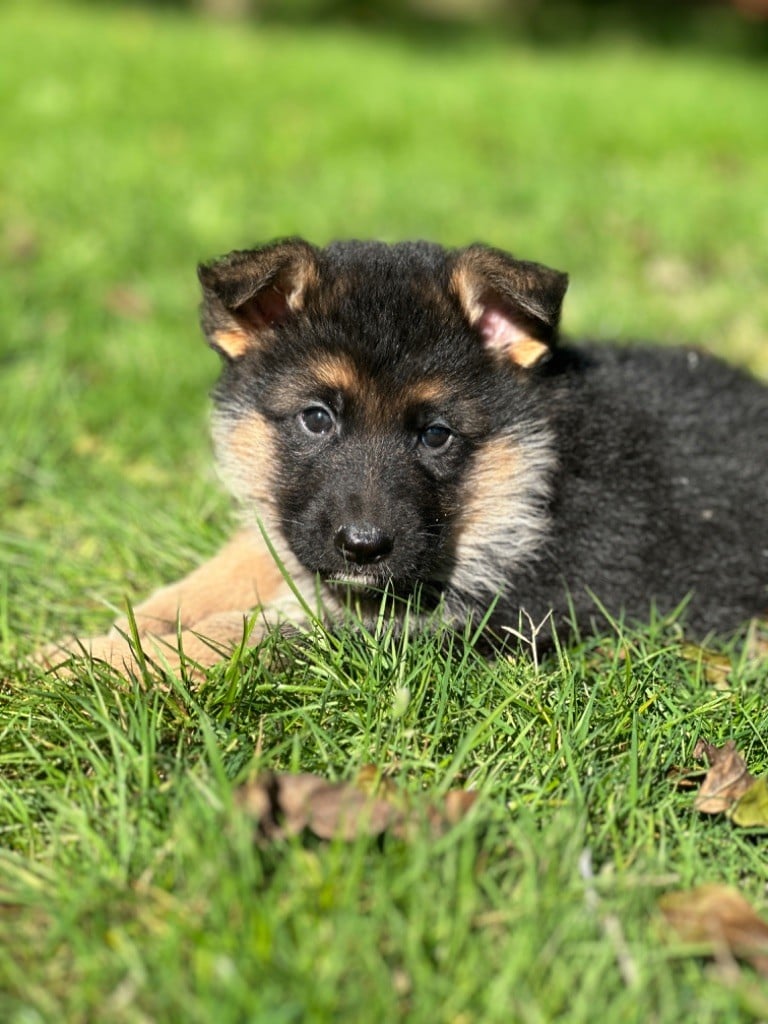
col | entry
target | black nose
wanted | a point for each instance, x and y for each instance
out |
(363, 543)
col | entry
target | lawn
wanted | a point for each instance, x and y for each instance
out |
(132, 885)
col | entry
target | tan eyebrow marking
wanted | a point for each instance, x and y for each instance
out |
(336, 371)
(426, 392)
(375, 404)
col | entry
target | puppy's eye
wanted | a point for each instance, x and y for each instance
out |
(436, 436)
(316, 420)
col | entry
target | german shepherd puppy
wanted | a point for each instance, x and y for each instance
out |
(401, 420)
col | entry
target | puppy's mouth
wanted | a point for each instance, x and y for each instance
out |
(357, 580)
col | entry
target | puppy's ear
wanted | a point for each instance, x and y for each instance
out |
(513, 305)
(246, 294)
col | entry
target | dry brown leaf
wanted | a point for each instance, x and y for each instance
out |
(716, 667)
(685, 778)
(286, 805)
(718, 917)
(726, 780)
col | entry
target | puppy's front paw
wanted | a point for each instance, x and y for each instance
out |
(159, 615)
(112, 650)
(212, 641)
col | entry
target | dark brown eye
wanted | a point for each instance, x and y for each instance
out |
(316, 420)
(436, 436)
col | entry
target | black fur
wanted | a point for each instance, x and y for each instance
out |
(661, 490)
(635, 475)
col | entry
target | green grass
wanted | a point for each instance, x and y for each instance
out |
(134, 144)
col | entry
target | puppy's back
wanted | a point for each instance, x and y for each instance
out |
(661, 487)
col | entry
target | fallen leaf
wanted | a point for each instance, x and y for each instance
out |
(718, 917)
(751, 809)
(716, 667)
(286, 805)
(685, 778)
(726, 780)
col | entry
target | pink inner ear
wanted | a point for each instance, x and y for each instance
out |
(498, 331)
(502, 335)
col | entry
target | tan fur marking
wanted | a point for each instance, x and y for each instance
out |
(334, 371)
(465, 286)
(241, 576)
(245, 452)
(505, 514)
(304, 276)
(233, 343)
(427, 392)
(211, 605)
(339, 373)
(527, 352)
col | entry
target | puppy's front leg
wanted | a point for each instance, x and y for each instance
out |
(209, 607)
(240, 577)
(215, 639)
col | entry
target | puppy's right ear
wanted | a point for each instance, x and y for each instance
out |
(247, 293)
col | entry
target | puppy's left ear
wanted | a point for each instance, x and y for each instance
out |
(248, 294)
(514, 305)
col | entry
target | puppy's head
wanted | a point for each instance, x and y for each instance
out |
(376, 405)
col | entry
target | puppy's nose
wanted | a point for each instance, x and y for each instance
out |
(363, 543)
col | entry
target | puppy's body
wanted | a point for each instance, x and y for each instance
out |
(660, 490)
(401, 419)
